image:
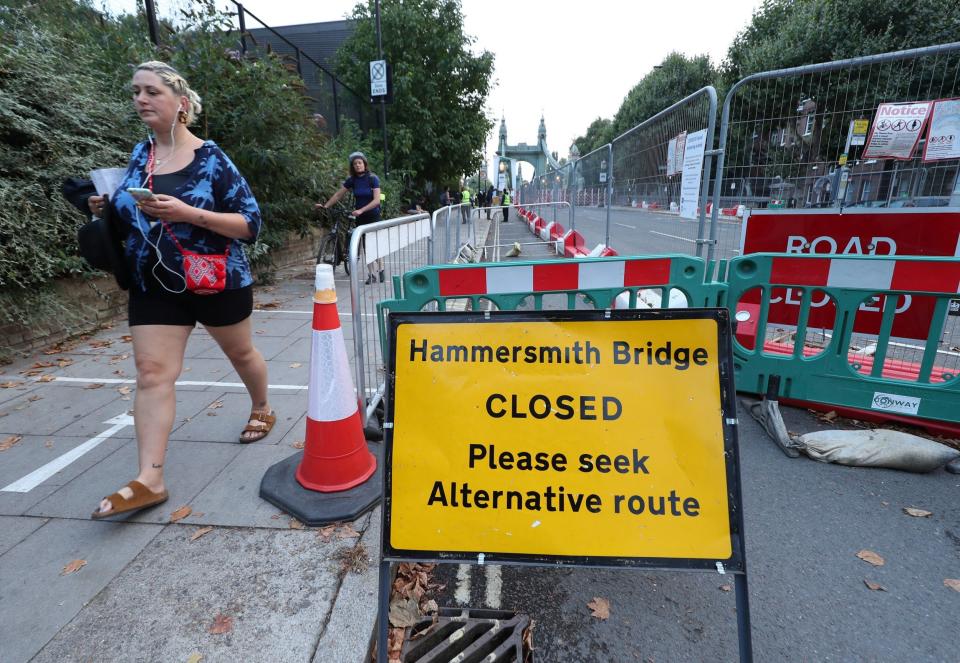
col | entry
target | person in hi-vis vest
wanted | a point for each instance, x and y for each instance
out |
(465, 199)
(505, 201)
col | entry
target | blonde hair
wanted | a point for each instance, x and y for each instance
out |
(177, 83)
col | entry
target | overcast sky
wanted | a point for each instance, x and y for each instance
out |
(572, 62)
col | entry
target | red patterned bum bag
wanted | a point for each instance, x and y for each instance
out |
(204, 274)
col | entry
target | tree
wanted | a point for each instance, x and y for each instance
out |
(599, 133)
(670, 81)
(436, 124)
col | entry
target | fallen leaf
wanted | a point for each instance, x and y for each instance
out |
(870, 557)
(48, 378)
(200, 532)
(296, 364)
(599, 608)
(347, 532)
(94, 385)
(296, 524)
(9, 441)
(195, 657)
(214, 405)
(101, 344)
(211, 414)
(724, 588)
(876, 587)
(275, 516)
(299, 444)
(126, 338)
(952, 583)
(64, 361)
(917, 513)
(429, 607)
(273, 304)
(43, 364)
(830, 416)
(10, 384)
(221, 624)
(124, 390)
(404, 612)
(326, 532)
(48, 444)
(73, 566)
(34, 398)
(118, 358)
(180, 513)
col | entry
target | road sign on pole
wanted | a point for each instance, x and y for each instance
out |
(378, 78)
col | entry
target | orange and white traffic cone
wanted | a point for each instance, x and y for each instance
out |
(336, 477)
(335, 456)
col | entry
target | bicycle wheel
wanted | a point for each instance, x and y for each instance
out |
(329, 249)
(343, 256)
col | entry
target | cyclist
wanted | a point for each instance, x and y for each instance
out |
(366, 202)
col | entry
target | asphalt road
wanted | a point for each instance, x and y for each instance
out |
(641, 232)
(805, 522)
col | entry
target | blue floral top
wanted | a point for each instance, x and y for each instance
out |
(212, 183)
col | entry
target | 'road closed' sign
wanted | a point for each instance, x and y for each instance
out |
(563, 434)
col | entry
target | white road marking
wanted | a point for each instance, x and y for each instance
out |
(623, 225)
(462, 594)
(38, 476)
(494, 586)
(179, 383)
(685, 239)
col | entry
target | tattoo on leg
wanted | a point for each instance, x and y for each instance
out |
(156, 466)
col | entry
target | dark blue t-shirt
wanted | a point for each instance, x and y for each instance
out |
(362, 187)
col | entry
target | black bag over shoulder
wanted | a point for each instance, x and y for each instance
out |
(101, 244)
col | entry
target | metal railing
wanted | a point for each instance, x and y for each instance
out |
(662, 166)
(379, 254)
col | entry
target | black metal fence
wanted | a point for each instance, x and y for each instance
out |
(332, 101)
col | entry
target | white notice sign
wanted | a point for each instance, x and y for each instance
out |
(943, 141)
(378, 78)
(694, 147)
(672, 156)
(678, 153)
(896, 130)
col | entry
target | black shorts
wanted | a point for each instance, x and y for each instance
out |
(187, 309)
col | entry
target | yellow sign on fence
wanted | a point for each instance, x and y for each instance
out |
(582, 438)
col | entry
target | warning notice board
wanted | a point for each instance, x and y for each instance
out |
(592, 437)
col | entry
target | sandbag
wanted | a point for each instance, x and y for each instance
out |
(877, 448)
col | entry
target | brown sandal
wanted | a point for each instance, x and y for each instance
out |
(141, 499)
(262, 427)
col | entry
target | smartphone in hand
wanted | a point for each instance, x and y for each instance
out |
(139, 193)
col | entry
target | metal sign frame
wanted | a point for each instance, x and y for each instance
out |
(735, 564)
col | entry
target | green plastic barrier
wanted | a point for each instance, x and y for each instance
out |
(836, 376)
(508, 285)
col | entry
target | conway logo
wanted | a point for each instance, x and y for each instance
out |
(895, 403)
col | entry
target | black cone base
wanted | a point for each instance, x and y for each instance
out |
(279, 486)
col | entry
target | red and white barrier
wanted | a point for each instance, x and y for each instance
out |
(335, 456)
(559, 275)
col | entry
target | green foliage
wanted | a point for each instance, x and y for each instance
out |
(436, 124)
(789, 33)
(599, 133)
(65, 109)
(669, 82)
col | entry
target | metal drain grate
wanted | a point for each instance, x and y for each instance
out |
(467, 636)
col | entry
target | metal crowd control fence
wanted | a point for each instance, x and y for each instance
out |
(457, 236)
(643, 170)
(796, 138)
(827, 365)
(379, 253)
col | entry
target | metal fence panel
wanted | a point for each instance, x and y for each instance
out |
(789, 137)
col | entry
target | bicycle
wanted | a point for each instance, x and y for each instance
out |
(335, 247)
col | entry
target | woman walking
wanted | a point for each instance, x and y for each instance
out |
(187, 210)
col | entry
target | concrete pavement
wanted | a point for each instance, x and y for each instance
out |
(147, 590)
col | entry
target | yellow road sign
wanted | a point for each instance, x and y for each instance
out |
(524, 435)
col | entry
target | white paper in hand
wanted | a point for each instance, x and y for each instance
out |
(106, 180)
